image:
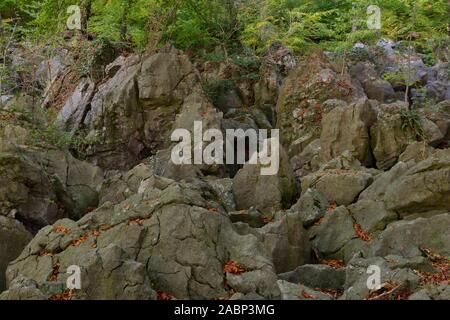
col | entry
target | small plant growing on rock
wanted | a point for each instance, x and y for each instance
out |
(411, 120)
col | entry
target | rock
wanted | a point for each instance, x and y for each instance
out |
(23, 289)
(316, 276)
(132, 115)
(267, 193)
(389, 135)
(291, 291)
(438, 85)
(308, 160)
(374, 87)
(299, 105)
(77, 105)
(51, 69)
(13, 238)
(123, 185)
(371, 215)
(4, 99)
(27, 193)
(405, 238)
(420, 295)
(356, 287)
(165, 235)
(380, 90)
(417, 151)
(287, 241)
(433, 135)
(378, 188)
(424, 187)
(275, 66)
(252, 217)
(311, 207)
(224, 190)
(348, 129)
(41, 184)
(339, 183)
(335, 236)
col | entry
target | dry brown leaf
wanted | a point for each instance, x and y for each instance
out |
(234, 268)
(61, 229)
(160, 295)
(66, 295)
(332, 207)
(361, 233)
(80, 240)
(336, 264)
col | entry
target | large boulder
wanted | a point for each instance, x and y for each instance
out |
(42, 185)
(424, 187)
(391, 134)
(287, 241)
(277, 62)
(13, 238)
(341, 180)
(374, 87)
(308, 86)
(267, 193)
(356, 288)
(165, 237)
(347, 128)
(335, 237)
(132, 115)
(316, 276)
(407, 238)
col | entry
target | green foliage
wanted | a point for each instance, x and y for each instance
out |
(206, 24)
(411, 121)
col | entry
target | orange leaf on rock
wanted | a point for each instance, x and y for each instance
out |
(307, 295)
(332, 207)
(137, 222)
(61, 229)
(160, 295)
(361, 233)
(337, 264)
(66, 295)
(233, 267)
(80, 240)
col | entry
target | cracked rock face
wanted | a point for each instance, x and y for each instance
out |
(40, 185)
(165, 238)
(13, 238)
(132, 114)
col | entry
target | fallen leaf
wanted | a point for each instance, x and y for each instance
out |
(336, 264)
(137, 221)
(66, 295)
(361, 233)
(306, 295)
(234, 268)
(80, 240)
(332, 207)
(160, 295)
(61, 229)
(55, 272)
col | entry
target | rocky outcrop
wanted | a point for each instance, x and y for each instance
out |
(167, 234)
(341, 180)
(390, 135)
(40, 185)
(131, 115)
(13, 238)
(347, 128)
(299, 106)
(265, 192)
